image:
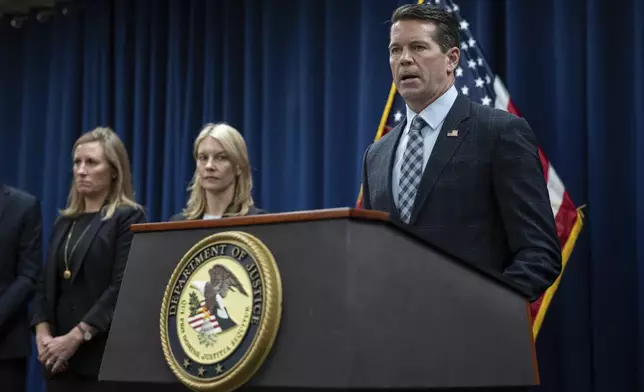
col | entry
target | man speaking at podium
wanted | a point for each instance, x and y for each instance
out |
(465, 177)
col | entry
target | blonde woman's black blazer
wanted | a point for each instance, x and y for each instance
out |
(97, 266)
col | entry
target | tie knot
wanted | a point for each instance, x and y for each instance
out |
(417, 124)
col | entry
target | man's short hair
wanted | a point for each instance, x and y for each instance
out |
(447, 34)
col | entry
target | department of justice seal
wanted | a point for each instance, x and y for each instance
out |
(221, 312)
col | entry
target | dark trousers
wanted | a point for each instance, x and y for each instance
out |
(13, 374)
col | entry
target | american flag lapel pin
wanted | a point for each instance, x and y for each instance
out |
(452, 133)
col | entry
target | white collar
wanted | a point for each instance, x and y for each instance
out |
(434, 114)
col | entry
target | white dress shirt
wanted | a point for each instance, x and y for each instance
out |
(434, 115)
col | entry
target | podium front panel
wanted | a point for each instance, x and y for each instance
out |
(428, 320)
(312, 343)
(365, 306)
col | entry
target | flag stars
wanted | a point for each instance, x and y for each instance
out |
(455, 8)
(486, 100)
(465, 90)
(471, 42)
(398, 116)
(487, 79)
(471, 64)
(459, 72)
(464, 45)
(464, 25)
(479, 82)
(479, 61)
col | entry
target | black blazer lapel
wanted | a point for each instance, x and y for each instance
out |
(446, 145)
(393, 140)
(4, 198)
(78, 257)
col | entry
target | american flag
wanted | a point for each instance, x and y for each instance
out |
(475, 79)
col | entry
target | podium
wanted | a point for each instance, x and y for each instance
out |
(366, 305)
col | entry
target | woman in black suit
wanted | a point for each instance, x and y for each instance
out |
(85, 261)
(222, 182)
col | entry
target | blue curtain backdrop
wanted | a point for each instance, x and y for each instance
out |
(306, 82)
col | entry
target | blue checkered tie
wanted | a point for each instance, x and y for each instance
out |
(411, 170)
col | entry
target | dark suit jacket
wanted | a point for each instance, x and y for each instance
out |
(251, 211)
(97, 267)
(20, 263)
(483, 196)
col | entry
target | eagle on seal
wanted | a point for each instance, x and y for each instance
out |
(221, 281)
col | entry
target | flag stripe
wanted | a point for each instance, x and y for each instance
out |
(200, 318)
(557, 193)
(544, 164)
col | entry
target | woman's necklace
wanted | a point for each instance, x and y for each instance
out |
(68, 274)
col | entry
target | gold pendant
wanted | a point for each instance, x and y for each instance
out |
(67, 274)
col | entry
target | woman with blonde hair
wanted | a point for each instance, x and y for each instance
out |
(85, 261)
(222, 182)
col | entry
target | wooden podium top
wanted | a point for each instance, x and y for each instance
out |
(332, 213)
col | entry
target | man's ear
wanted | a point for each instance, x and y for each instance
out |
(453, 57)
